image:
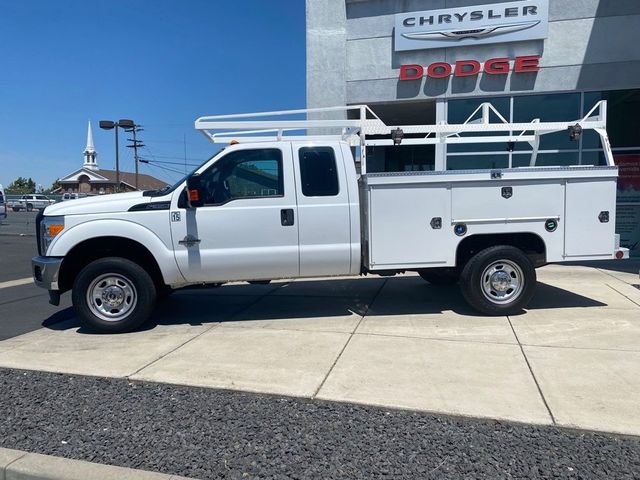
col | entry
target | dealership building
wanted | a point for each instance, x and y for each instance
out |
(432, 61)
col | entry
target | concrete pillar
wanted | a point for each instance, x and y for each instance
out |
(326, 55)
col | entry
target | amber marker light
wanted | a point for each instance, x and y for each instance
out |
(54, 229)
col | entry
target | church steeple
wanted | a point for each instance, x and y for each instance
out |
(90, 154)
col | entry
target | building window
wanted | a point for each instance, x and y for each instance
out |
(400, 158)
(555, 149)
(318, 172)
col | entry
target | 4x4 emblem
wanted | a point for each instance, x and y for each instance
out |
(507, 192)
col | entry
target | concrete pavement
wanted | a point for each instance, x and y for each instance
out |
(572, 359)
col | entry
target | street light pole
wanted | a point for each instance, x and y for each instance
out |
(109, 125)
(117, 160)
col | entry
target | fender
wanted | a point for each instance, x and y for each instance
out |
(89, 229)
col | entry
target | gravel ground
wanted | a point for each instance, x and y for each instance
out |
(206, 433)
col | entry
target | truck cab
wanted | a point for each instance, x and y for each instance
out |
(265, 211)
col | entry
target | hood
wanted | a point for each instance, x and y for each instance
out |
(112, 203)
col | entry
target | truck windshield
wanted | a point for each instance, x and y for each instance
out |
(170, 188)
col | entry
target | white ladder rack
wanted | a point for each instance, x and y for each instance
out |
(270, 127)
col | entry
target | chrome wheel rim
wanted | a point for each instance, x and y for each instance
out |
(112, 297)
(502, 282)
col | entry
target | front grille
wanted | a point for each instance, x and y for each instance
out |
(38, 237)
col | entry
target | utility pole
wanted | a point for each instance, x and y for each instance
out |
(135, 145)
(125, 124)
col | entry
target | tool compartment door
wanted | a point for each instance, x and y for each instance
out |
(590, 217)
(401, 233)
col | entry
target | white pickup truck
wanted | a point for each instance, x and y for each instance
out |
(277, 204)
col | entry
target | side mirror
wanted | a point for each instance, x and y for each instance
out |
(195, 194)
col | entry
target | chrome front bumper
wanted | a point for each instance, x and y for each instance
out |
(45, 271)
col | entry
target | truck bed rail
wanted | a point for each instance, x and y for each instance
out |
(357, 132)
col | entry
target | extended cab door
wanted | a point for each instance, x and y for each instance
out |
(323, 210)
(248, 227)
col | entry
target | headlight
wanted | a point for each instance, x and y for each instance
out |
(49, 228)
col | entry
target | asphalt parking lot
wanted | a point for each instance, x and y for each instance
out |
(23, 306)
(311, 350)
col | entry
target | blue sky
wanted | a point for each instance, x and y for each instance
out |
(161, 63)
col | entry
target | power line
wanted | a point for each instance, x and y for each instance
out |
(145, 160)
(179, 158)
(168, 169)
(163, 169)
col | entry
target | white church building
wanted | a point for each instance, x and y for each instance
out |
(91, 179)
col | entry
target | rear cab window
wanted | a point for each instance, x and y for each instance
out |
(318, 172)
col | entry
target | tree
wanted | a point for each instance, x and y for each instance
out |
(55, 187)
(22, 185)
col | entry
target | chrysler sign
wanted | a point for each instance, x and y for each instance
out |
(476, 25)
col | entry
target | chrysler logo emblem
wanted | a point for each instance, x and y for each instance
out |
(475, 33)
(514, 21)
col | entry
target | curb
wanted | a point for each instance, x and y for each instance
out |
(19, 465)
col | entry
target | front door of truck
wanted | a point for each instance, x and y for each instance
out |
(248, 227)
(323, 210)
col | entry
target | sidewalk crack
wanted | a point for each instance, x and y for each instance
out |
(353, 332)
(625, 296)
(533, 375)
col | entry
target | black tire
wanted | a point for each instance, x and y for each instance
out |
(259, 282)
(496, 293)
(137, 295)
(15, 209)
(29, 207)
(163, 291)
(440, 276)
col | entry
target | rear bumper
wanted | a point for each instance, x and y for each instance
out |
(45, 271)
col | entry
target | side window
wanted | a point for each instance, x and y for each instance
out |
(318, 172)
(244, 174)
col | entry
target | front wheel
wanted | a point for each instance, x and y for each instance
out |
(29, 207)
(113, 295)
(499, 280)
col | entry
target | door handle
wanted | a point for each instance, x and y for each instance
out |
(286, 217)
(189, 241)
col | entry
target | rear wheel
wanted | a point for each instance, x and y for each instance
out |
(29, 207)
(499, 280)
(113, 295)
(440, 276)
(15, 209)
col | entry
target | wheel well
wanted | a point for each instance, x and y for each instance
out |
(530, 243)
(93, 249)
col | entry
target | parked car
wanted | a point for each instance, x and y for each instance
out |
(3, 204)
(73, 196)
(31, 202)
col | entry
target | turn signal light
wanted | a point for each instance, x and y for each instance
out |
(54, 229)
(194, 196)
(619, 254)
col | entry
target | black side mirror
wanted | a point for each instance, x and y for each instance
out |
(195, 193)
